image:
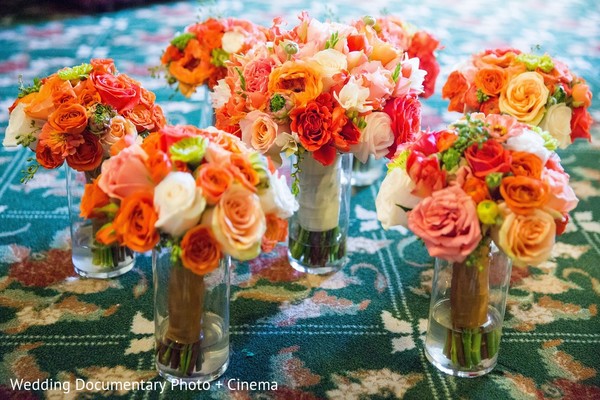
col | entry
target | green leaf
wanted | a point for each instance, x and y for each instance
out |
(242, 79)
(25, 90)
(189, 150)
(396, 73)
(77, 72)
(332, 41)
(219, 57)
(181, 41)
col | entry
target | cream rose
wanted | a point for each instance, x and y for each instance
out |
(20, 124)
(376, 138)
(232, 41)
(353, 97)
(557, 121)
(278, 198)
(393, 197)
(179, 203)
(526, 239)
(238, 223)
(259, 131)
(525, 97)
(330, 62)
(529, 142)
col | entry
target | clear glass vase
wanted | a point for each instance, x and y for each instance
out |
(468, 301)
(319, 229)
(91, 259)
(191, 319)
(365, 174)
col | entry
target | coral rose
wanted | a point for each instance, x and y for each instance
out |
(69, 118)
(487, 158)
(447, 223)
(454, 90)
(142, 117)
(525, 97)
(89, 154)
(405, 114)
(200, 251)
(523, 194)
(134, 223)
(214, 180)
(116, 91)
(126, 173)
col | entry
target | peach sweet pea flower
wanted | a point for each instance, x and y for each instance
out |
(448, 224)
(525, 97)
(126, 173)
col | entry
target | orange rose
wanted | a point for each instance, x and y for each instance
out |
(523, 194)
(526, 164)
(582, 96)
(200, 251)
(490, 80)
(135, 221)
(525, 97)
(87, 95)
(147, 97)
(490, 106)
(298, 79)
(63, 93)
(158, 118)
(69, 118)
(477, 189)
(159, 165)
(277, 229)
(89, 154)
(92, 199)
(454, 90)
(42, 104)
(471, 99)
(243, 172)
(151, 143)
(214, 181)
(141, 116)
(118, 128)
(103, 65)
(107, 235)
(499, 58)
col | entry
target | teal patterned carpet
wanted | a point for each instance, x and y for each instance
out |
(355, 335)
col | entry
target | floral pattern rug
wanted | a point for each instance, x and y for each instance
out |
(354, 335)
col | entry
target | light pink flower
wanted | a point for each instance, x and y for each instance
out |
(256, 74)
(259, 131)
(448, 224)
(562, 196)
(126, 173)
(502, 127)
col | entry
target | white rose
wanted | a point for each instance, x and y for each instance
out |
(394, 195)
(232, 41)
(557, 121)
(179, 203)
(20, 124)
(376, 138)
(220, 94)
(278, 198)
(353, 97)
(330, 62)
(529, 142)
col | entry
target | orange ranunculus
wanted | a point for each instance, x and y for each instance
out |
(490, 80)
(69, 118)
(87, 95)
(200, 251)
(47, 158)
(277, 229)
(92, 199)
(159, 165)
(107, 235)
(582, 96)
(523, 194)
(214, 180)
(135, 221)
(298, 79)
(141, 116)
(490, 106)
(190, 69)
(60, 143)
(89, 154)
(243, 172)
(151, 143)
(210, 32)
(526, 164)
(454, 90)
(477, 189)
(445, 140)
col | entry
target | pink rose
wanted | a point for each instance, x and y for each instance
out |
(259, 131)
(562, 196)
(126, 173)
(405, 113)
(217, 154)
(256, 74)
(448, 224)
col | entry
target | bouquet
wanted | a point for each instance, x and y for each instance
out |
(200, 54)
(317, 91)
(485, 178)
(82, 115)
(417, 43)
(202, 194)
(537, 90)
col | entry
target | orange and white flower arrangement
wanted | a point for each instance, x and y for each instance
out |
(537, 90)
(199, 55)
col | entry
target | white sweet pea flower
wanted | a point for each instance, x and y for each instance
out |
(529, 142)
(413, 82)
(330, 62)
(557, 121)
(179, 203)
(394, 197)
(278, 198)
(353, 97)
(376, 137)
(220, 94)
(19, 124)
(232, 41)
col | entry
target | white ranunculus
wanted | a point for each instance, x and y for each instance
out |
(353, 97)
(394, 195)
(529, 142)
(232, 41)
(376, 138)
(19, 124)
(179, 203)
(330, 62)
(278, 198)
(220, 94)
(557, 121)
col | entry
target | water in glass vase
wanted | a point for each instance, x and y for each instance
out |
(202, 361)
(462, 352)
(316, 252)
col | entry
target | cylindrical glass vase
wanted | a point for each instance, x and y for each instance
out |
(365, 174)
(90, 258)
(318, 230)
(191, 319)
(468, 301)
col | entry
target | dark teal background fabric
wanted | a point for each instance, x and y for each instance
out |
(357, 334)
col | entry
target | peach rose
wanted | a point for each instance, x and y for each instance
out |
(526, 239)
(258, 130)
(200, 251)
(214, 180)
(525, 97)
(142, 117)
(447, 223)
(118, 128)
(238, 223)
(126, 173)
